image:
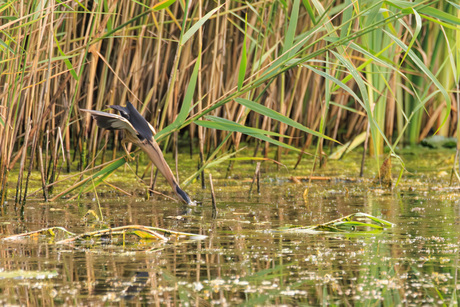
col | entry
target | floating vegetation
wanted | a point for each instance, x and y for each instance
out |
(54, 232)
(21, 274)
(351, 223)
(123, 234)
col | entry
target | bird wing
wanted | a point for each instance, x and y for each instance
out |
(111, 121)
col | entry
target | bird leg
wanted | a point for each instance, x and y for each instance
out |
(126, 150)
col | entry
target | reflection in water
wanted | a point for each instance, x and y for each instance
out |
(242, 262)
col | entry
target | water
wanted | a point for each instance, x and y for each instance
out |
(242, 262)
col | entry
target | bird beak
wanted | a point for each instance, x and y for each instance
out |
(183, 196)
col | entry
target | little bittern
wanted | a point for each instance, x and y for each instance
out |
(138, 131)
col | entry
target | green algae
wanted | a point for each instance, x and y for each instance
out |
(242, 261)
(133, 177)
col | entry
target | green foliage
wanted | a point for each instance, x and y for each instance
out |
(278, 71)
(349, 223)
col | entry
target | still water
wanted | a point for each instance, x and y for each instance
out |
(242, 261)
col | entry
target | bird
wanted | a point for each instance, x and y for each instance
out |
(140, 132)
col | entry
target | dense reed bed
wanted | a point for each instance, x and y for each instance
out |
(272, 72)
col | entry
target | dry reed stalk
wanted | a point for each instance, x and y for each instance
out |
(42, 172)
(57, 63)
(341, 99)
(255, 178)
(213, 197)
(201, 131)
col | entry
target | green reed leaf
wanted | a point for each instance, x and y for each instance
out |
(163, 4)
(256, 107)
(426, 72)
(186, 103)
(290, 34)
(66, 60)
(245, 129)
(235, 127)
(244, 57)
(187, 35)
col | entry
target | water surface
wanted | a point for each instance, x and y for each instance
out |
(242, 261)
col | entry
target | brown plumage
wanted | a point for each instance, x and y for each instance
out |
(140, 132)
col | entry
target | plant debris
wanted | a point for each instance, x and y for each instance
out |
(144, 233)
(349, 223)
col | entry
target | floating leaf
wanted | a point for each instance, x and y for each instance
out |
(21, 274)
(348, 222)
(45, 232)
